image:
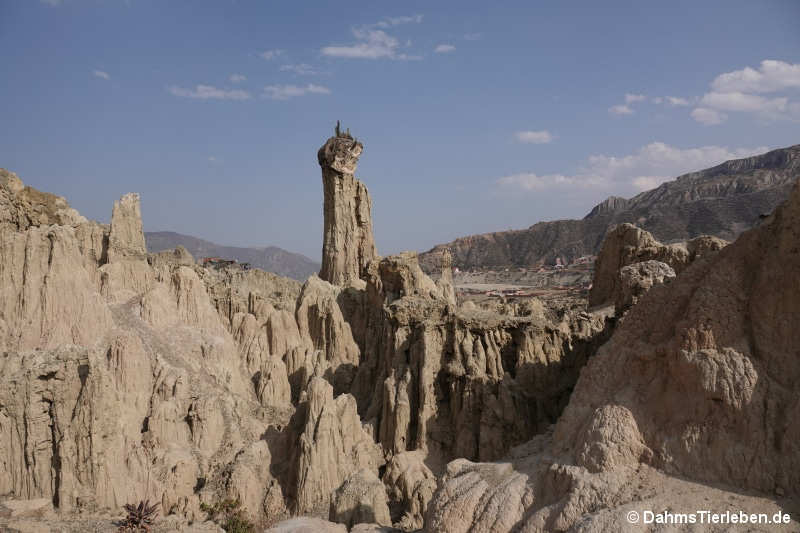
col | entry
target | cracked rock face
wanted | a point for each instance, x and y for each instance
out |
(348, 243)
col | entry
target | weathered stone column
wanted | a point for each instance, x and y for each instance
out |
(348, 243)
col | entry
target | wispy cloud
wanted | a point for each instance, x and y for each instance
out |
(631, 98)
(52, 3)
(101, 74)
(396, 21)
(650, 166)
(472, 36)
(303, 69)
(374, 43)
(284, 92)
(709, 117)
(207, 92)
(444, 48)
(237, 78)
(534, 137)
(620, 110)
(271, 54)
(743, 91)
(677, 101)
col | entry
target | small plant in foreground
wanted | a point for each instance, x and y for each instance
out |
(230, 517)
(140, 517)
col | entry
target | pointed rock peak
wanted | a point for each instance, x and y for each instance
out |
(126, 239)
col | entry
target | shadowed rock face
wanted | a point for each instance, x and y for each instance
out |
(348, 243)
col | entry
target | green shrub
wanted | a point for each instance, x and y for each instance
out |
(229, 516)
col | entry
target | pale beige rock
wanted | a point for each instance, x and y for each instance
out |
(25, 508)
(636, 279)
(412, 484)
(47, 296)
(332, 446)
(323, 328)
(348, 244)
(126, 239)
(360, 499)
(307, 525)
(626, 244)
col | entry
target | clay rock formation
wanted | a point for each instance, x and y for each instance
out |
(330, 448)
(126, 238)
(626, 244)
(348, 243)
(637, 279)
(694, 388)
(23, 207)
(361, 499)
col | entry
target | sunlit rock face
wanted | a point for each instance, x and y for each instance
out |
(348, 243)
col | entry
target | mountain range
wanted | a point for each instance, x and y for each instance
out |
(722, 201)
(269, 258)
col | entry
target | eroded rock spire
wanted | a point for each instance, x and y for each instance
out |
(348, 243)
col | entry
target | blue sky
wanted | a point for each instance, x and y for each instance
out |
(475, 116)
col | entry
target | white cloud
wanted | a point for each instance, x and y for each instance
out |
(237, 78)
(212, 159)
(396, 21)
(529, 181)
(373, 43)
(741, 91)
(631, 98)
(101, 74)
(271, 54)
(207, 92)
(650, 166)
(301, 68)
(620, 110)
(772, 76)
(472, 36)
(534, 137)
(284, 92)
(444, 48)
(709, 117)
(657, 100)
(677, 101)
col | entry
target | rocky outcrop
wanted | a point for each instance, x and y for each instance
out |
(361, 499)
(331, 446)
(626, 244)
(695, 386)
(637, 279)
(348, 243)
(126, 238)
(411, 484)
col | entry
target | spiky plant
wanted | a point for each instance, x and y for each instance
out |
(140, 517)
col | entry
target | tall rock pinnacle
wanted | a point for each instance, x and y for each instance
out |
(348, 244)
(126, 239)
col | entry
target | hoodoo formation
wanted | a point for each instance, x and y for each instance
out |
(370, 398)
(348, 244)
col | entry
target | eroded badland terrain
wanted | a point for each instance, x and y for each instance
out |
(375, 397)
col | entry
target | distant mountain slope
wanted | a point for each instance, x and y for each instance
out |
(271, 258)
(723, 201)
